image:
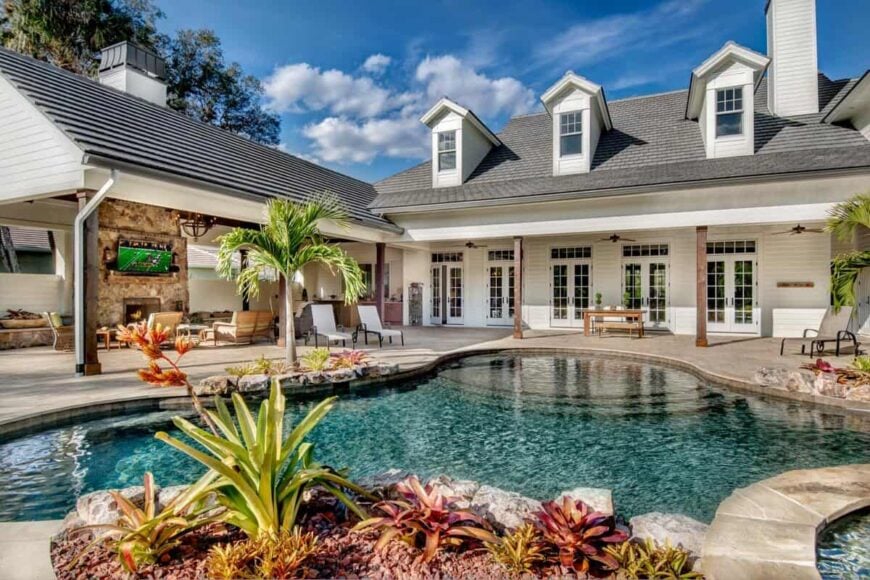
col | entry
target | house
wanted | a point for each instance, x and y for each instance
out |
(697, 206)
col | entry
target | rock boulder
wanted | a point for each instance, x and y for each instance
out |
(600, 500)
(679, 529)
(503, 509)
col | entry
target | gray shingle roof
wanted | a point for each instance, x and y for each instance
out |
(652, 143)
(119, 127)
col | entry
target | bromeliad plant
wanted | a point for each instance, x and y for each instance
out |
(425, 519)
(519, 551)
(263, 475)
(350, 359)
(150, 341)
(648, 560)
(317, 360)
(142, 535)
(575, 534)
(263, 557)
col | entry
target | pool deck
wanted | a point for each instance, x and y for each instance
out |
(39, 382)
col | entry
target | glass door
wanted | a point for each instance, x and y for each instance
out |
(437, 294)
(455, 298)
(645, 287)
(731, 294)
(500, 300)
(569, 293)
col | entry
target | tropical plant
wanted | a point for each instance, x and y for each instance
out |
(598, 298)
(425, 519)
(317, 360)
(263, 475)
(820, 366)
(266, 556)
(150, 341)
(519, 551)
(289, 240)
(241, 370)
(648, 560)
(142, 535)
(576, 536)
(845, 220)
(350, 359)
(862, 364)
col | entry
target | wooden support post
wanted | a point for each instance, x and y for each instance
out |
(518, 287)
(243, 264)
(91, 288)
(701, 287)
(282, 311)
(380, 252)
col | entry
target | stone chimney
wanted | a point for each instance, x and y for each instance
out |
(135, 70)
(792, 79)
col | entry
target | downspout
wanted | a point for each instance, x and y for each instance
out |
(79, 269)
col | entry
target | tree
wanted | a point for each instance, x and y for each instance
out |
(204, 87)
(845, 221)
(289, 240)
(71, 33)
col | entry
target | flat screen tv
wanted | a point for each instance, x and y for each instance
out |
(144, 257)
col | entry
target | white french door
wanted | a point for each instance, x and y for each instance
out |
(732, 294)
(448, 290)
(500, 294)
(570, 282)
(646, 286)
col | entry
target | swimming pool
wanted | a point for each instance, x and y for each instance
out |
(660, 438)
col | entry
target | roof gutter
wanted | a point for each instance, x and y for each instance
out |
(613, 192)
(79, 268)
(152, 173)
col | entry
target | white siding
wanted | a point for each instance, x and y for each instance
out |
(35, 158)
(791, 322)
(32, 292)
(209, 294)
(415, 269)
(791, 45)
(474, 148)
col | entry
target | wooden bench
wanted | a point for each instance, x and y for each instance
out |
(607, 325)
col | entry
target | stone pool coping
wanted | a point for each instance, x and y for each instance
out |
(163, 399)
(770, 528)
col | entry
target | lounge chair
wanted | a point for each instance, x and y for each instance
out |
(833, 328)
(167, 320)
(244, 327)
(63, 334)
(323, 319)
(370, 323)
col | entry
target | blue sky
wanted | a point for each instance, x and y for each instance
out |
(351, 78)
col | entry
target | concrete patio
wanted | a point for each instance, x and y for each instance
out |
(39, 380)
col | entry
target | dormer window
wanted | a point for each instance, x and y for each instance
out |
(729, 112)
(447, 151)
(571, 133)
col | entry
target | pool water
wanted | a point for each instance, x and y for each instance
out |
(844, 548)
(660, 438)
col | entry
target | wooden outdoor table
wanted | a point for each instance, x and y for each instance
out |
(106, 337)
(634, 315)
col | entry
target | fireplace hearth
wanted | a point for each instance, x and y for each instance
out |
(138, 309)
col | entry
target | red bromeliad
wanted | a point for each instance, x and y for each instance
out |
(425, 517)
(579, 536)
(150, 341)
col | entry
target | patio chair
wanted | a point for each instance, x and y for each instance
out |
(323, 319)
(167, 320)
(833, 328)
(63, 334)
(370, 323)
(244, 327)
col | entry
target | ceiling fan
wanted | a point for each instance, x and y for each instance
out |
(615, 238)
(471, 245)
(799, 229)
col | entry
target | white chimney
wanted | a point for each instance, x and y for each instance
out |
(792, 79)
(135, 70)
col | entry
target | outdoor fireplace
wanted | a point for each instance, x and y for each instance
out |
(138, 309)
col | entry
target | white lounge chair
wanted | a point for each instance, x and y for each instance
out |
(323, 319)
(370, 323)
(833, 328)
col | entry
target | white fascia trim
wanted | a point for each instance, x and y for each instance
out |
(571, 79)
(466, 114)
(719, 217)
(856, 99)
(731, 51)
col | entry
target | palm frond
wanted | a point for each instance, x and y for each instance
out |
(844, 277)
(845, 218)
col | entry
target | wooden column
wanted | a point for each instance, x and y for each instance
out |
(243, 264)
(701, 287)
(518, 287)
(380, 252)
(282, 311)
(91, 283)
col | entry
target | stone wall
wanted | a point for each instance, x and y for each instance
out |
(134, 221)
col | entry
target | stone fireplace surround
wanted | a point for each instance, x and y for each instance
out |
(144, 306)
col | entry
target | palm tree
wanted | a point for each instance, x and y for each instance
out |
(289, 240)
(845, 220)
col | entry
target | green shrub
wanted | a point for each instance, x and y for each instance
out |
(647, 560)
(316, 361)
(519, 551)
(267, 556)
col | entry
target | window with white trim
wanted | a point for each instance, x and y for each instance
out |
(729, 112)
(446, 150)
(571, 133)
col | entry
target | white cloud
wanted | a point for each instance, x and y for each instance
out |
(376, 64)
(448, 76)
(300, 87)
(343, 140)
(604, 38)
